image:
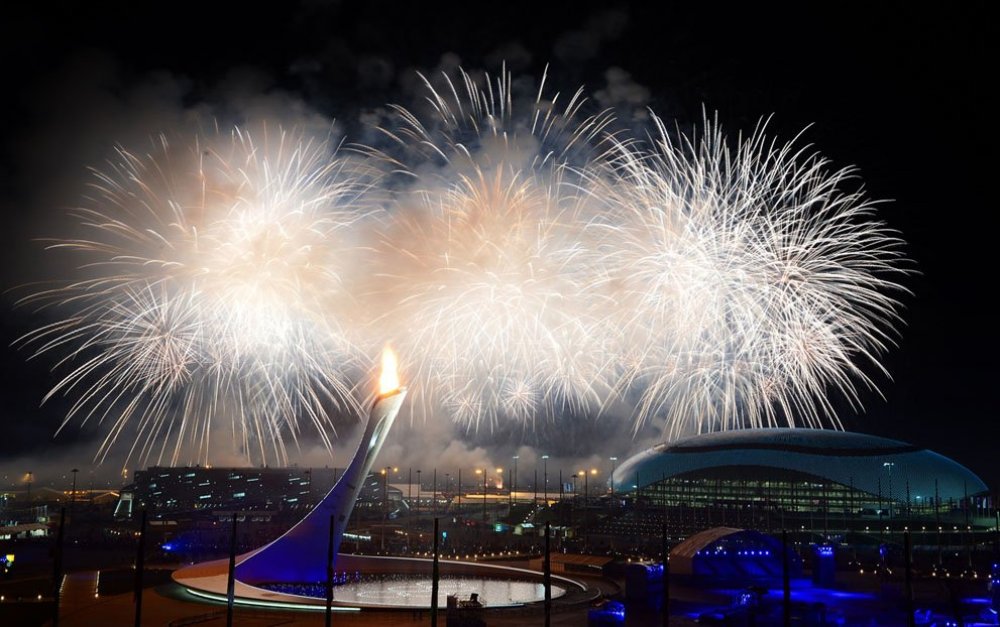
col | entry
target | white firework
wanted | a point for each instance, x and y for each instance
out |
(526, 266)
(213, 287)
(481, 256)
(748, 283)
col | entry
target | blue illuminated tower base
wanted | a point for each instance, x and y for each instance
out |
(299, 556)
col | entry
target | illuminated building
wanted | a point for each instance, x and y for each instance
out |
(772, 478)
(193, 489)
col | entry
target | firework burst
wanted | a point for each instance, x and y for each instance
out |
(748, 283)
(212, 285)
(527, 266)
(481, 261)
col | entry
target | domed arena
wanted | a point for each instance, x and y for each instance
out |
(774, 478)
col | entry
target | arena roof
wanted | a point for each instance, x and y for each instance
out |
(838, 456)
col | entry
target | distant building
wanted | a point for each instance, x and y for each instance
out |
(770, 478)
(39, 508)
(193, 489)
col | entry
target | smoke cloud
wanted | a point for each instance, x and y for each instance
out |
(111, 105)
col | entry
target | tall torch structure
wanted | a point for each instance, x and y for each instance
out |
(294, 557)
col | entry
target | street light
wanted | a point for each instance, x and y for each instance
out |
(72, 497)
(499, 487)
(420, 488)
(586, 486)
(545, 475)
(510, 491)
(483, 471)
(409, 504)
(447, 488)
(889, 466)
(385, 487)
(513, 484)
(576, 481)
(385, 504)
(560, 487)
(385, 498)
(614, 464)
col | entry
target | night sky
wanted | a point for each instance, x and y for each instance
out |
(897, 91)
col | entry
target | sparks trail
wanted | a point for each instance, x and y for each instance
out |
(527, 263)
(212, 289)
(749, 284)
(482, 260)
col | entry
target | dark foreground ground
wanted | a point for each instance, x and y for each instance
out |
(104, 598)
(169, 605)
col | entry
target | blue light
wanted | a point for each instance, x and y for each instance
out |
(612, 612)
(616, 608)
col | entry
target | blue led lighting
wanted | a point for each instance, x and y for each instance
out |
(276, 604)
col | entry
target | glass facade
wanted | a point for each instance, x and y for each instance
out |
(769, 498)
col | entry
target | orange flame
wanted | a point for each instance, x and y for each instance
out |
(389, 379)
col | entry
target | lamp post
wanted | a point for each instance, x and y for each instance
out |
(510, 493)
(572, 502)
(330, 547)
(545, 479)
(614, 464)
(72, 496)
(385, 499)
(586, 486)
(560, 488)
(139, 557)
(57, 568)
(385, 492)
(409, 508)
(420, 488)
(483, 470)
(889, 465)
(586, 500)
(499, 487)
(513, 484)
(385, 504)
